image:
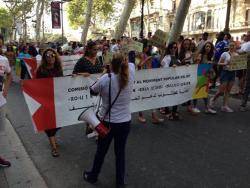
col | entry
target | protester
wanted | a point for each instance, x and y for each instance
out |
(219, 49)
(186, 58)
(205, 57)
(50, 67)
(11, 55)
(146, 63)
(89, 64)
(202, 42)
(245, 48)
(171, 60)
(24, 54)
(227, 78)
(122, 78)
(4, 87)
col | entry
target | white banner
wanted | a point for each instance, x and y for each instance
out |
(153, 89)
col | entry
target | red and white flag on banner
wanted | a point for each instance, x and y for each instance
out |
(31, 66)
(39, 96)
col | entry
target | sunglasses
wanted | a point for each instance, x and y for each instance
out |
(50, 55)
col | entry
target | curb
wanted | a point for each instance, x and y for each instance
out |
(23, 172)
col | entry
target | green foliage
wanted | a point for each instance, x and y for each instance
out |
(6, 19)
(102, 10)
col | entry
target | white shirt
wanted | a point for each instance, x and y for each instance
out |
(38, 59)
(245, 47)
(120, 111)
(4, 68)
(166, 61)
(114, 48)
(227, 58)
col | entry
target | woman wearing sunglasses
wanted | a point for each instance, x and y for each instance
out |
(50, 67)
(171, 60)
(89, 64)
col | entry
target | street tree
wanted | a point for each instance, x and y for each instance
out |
(19, 10)
(39, 13)
(121, 26)
(87, 21)
(180, 17)
(6, 20)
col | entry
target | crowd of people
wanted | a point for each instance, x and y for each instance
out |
(103, 55)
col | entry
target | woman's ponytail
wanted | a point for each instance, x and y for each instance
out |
(124, 75)
(120, 67)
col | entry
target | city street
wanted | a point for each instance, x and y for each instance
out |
(204, 151)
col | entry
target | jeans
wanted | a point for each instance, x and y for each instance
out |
(119, 131)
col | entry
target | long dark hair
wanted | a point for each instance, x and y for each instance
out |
(210, 54)
(169, 48)
(182, 49)
(120, 66)
(44, 63)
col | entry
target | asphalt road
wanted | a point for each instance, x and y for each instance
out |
(204, 151)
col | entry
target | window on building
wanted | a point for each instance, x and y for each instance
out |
(247, 17)
(198, 20)
(209, 19)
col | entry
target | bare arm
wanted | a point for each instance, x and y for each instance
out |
(7, 84)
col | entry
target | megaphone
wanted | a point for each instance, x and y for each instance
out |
(89, 116)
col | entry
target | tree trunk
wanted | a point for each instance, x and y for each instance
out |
(229, 3)
(87, 21)
(39, 13)
(180, 17)
(121, 26)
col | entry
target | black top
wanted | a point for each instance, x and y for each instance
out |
(48, 73)
(83, 65)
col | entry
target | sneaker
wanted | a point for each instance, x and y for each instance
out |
(196, 110)
(210, 111)
(4, 163)
(142, 119)
(243, 109)
(89, 177)
(211, 102)
(226, 109)
(157, 120)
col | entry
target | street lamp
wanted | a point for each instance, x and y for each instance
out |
(63, 1)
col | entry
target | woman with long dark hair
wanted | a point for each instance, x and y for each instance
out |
(118, 120)
(88, 64)
(50, 67)
(205, 57)
(171, 60)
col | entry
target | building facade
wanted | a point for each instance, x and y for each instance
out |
(203, 15)
(210, 16)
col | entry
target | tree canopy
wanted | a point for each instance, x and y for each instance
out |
(6, 19)
(102, 10)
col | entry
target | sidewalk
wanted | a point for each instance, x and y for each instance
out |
(22, 173)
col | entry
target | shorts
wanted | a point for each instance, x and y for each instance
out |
(227, 76)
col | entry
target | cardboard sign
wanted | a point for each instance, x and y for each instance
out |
(132, 46)
(159, 39)
(238, 62)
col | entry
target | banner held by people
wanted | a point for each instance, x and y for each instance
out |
(57, 102)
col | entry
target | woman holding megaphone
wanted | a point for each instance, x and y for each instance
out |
(120, 82)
